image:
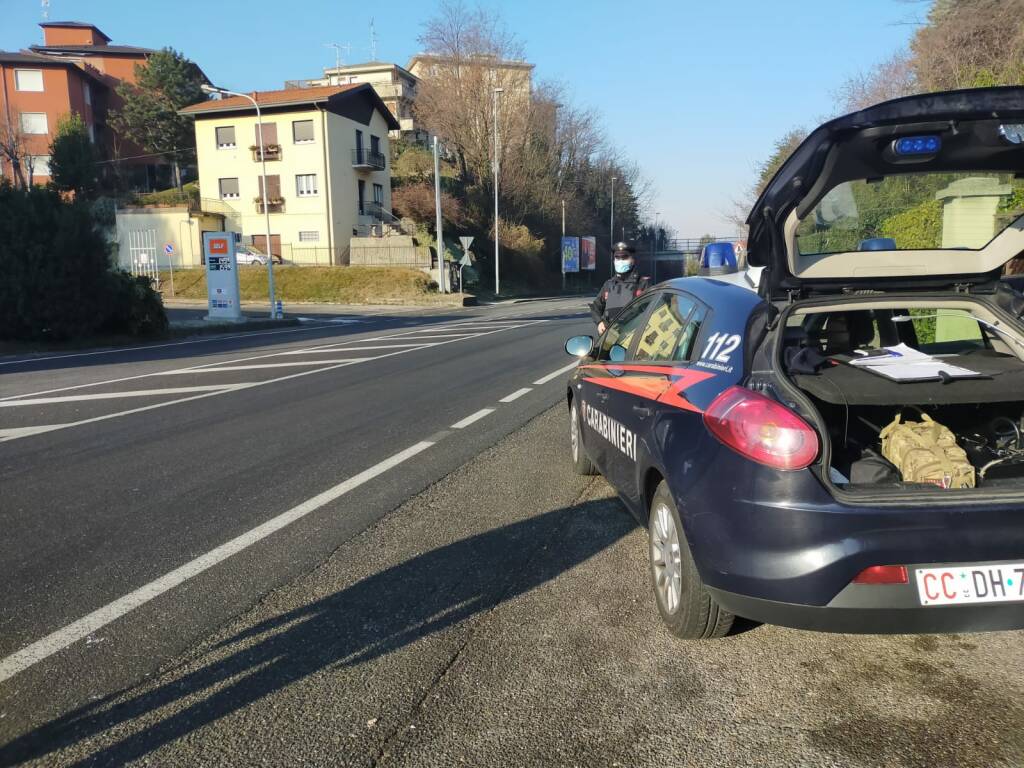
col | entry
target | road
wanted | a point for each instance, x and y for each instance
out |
(468, 602)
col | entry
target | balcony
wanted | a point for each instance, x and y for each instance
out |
(373, 210)
(365, 159)
(270, 152)
(274, 204)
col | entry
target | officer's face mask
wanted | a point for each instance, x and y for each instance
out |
(622, 266)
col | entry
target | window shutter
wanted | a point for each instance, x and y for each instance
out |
(302, 130)
(269, 133)
(226, 136)
(274, 187)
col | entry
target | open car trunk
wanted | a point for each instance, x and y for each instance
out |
(982, 404)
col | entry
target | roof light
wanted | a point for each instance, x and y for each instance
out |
(1013, 133)
(882, 574)
(917, 145)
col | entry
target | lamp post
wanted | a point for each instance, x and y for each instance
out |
(437, 205)
(266, 197)
(497, 166)
(563, 245)
(611, 230)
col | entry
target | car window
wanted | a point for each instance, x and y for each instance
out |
(622, 332)
(664, 328)
(688, 339)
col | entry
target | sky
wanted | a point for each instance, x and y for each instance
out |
(695, 92)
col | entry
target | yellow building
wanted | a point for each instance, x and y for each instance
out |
(327, 165)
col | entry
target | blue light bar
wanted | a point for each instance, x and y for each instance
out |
(917, 145)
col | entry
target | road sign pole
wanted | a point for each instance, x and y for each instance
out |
(169, 250)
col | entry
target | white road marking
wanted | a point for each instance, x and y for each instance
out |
(115, 350)
(555, 374)
(325, 350)
(473, 417)
(115, 395)
(515, 395)
(258, 366)
(85, 626)
(14, 434)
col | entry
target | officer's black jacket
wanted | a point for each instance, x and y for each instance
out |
(616, 293)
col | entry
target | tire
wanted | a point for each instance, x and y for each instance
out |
(581, 463)
(687, 608)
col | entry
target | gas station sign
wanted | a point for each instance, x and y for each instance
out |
(221, 277)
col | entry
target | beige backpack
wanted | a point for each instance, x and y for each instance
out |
(926, 452)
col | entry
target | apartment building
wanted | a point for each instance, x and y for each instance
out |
(328, 171)
(76, 69)
(515, 77)
(395, 85)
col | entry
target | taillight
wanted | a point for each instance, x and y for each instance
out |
(761, 429)
(882, 574)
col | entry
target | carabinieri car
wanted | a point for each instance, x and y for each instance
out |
(735, 425)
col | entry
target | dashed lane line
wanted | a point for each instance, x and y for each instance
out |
(555, 374)
(472, 418)
(515, 395)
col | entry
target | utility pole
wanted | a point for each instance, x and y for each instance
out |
(497, 167)
(263, 185)
(611, 232)
(437, 206)
(563, 241)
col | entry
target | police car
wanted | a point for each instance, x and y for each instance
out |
(743, 427)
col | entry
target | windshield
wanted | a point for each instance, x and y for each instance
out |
(948, 211)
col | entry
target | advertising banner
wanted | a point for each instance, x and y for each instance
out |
(221, 276)
(570, 254)
(588, 253)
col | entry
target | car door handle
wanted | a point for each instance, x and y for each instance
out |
(642, 411)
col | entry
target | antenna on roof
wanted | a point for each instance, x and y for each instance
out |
(46, 10)
(373, 41)
(337, 52)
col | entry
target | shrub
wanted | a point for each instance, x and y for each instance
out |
(56, 278)
(917, 227)
(135, 308)
(417, 202)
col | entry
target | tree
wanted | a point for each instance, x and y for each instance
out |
(891, 79)
(13, 148)
(166, 83)
(416, 201)
(73, 158)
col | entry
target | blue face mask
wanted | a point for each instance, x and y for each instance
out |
(622, 266)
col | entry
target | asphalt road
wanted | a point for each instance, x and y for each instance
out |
(123, 470)
(504, 617)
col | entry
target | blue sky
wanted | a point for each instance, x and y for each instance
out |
(696, 92)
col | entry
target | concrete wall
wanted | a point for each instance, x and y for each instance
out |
(396, 251)
(169, 225)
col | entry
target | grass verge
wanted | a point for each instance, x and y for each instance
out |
(333, 285)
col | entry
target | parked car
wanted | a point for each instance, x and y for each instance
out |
(742, 430)
(247, 254)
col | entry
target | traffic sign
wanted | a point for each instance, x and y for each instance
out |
(466, 240)
(466, 261)
(169, 249)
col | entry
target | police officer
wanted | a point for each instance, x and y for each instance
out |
(620, 289)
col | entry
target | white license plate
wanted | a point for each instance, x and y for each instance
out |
(962, 584)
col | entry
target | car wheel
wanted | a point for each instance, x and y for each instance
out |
(581, 463)
(687, 608)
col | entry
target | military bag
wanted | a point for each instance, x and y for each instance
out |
(926, 452)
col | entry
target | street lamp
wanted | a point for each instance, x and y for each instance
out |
(611, 228)
(266, 197)
(497, 165)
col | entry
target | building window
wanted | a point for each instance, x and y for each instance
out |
(305, 185)
(40, 165)
(225, 137)
(361, 187)
(269, 131)
(34, 123)
(375, 145)
(228, 189)
(309, 236)
(359, 142)
(302, 131)
(87, 94)
(378, 194)
(28, 80)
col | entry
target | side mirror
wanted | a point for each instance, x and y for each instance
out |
(617, 354)
(580, 346)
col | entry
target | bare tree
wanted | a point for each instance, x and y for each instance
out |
(891, 79)
(969, 43)
(14, 148)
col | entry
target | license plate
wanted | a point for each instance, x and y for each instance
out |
(962, 584)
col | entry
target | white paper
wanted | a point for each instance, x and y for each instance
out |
(903, 363)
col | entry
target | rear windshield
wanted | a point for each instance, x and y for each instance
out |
(954, 211)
